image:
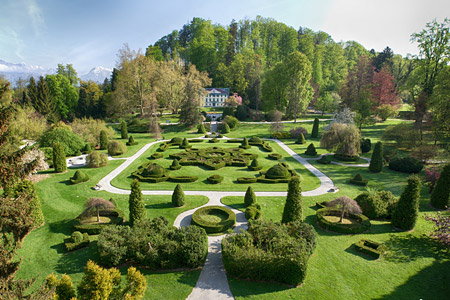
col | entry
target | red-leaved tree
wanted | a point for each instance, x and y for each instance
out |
(383, 89)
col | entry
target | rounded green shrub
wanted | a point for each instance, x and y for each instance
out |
(231, 121)
(70, 141)
(157, 155)
(277, 172)
(103, 140)
(255, 140)
(225, 128)
(274, 156)
(175, 165)
(151, 172)
(201, 128)
(223, 218)
(59, 158)
(324, 160)
(376, 162)
(77, 237)
(253, 212)
(358, 180)
(87, 149)
(315, 129)
(254, 166)
(214, 179)
(78, 177)
(214, 140)
(116, 148)
(246, 180)
(123, 129)
(311, 150)
(178, 196)
(176, 141)
(96, 160)
(440, 195)
(377, 204)
(406, 164)
(250, 197)
(301, 139)
(366, 145)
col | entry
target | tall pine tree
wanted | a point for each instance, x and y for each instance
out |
(293, 209)
(136, 204)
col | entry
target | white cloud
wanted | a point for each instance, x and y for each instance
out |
(36, 16)
(377, 24)
(11, 40)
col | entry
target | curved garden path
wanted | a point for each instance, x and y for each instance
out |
(213, 282)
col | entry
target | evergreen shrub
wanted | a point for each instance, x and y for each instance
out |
(376, 162)
(407, 210)
(77, 241)
(178, 196)
(215, 179)
(441, 191)
(175, 165)
(131, 141)
(274, 156)
(358, 180)
(315, 130)
(123, 130)
(59, 158)
(250, 197)
(377, 204)
(324, 160)
(116, 148)
(184, 178)
(311, 150)
(366, 145)
(71, 142)
(301, 139)
(103, 140)
(253, 212)
(96, 160)
(406, 164)
(254, 166)
(78, 177)
(156, 155)
(228, 219)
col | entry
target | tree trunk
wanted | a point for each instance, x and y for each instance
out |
(98, 215)
(342, 215)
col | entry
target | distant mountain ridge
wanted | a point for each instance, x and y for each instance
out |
(13, 71)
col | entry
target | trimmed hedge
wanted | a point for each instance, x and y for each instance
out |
(156, 155)
(358, 180)
(346, 158)
(163, 147)
(246, 180)
(377, 204)
(406, 164)
(176, 141)
(254, 166)
(366, 145)
(371, 248)
(253, 212)
(376, 162)
(234, 141)
(214, 140)
(151, 172)
(79, 177)
(214, 227)
(364, 222)
(77, 241)
(117, 217)
(131, 141)
(266, 147)
(280, 256)
(183, 178)
(324, 160)
(175, 165)
(215, 179)
(311, 150)
(196, 141)
(274, 156)
(116, 148)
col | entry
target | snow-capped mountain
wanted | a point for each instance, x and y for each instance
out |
(97, 74)
(12, 72)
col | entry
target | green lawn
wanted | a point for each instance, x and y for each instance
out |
(230, 174)
(43, 250)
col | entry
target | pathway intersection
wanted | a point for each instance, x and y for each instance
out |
(212, 282)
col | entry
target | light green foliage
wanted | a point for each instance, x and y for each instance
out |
(231, 121)
(71, 142)
(178, 196)
(407, 210)
(116, 148)
(344, 139)
(225, 128)
(293, 209)
(201, 128)
(27, 124)
(104, 141)
(64, 288)
(89, 128)
(59, 158)
(96, 160)
(301, 139)
(65, 95)
(136, 204)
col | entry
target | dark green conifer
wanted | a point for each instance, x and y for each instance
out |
(315, 130)
(178, 196)
(407, 211)
(441, 192)
(293, 209)
(376, 162)
(136, 204)
(250, 197)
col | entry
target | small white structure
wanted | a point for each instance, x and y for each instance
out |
(215, 97)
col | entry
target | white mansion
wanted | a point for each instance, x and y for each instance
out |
(215, 97)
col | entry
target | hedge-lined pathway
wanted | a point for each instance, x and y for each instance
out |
(213, 282)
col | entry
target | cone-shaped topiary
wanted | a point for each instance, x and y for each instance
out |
(123, 129)
(136, 205)
(245, 144)
(178, 196)
(201, 128)
(250, 197)
(78, 177)
(407, 210)
(315, 130)
(59, 158)
(225, 128)
(440, 194)
(87, 149)
(301, 139)
(293, 209)
(131, 141)
(103, 140)
(185, 144)
(175, 165)
(311, 150)
(254, 166)
(376, 162)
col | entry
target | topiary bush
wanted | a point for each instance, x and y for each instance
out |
(441, 191)
(280, 256)
(215, 179)
(185, 144)
(178, 196)
(311, 150)
(77, 237)
(274, 156)
(253, 212)
(231, 121)
(201, 128)
(151, 172)
(250, 197)
(358, 180)
(136, 205)
(377, 204)
(77, 241)
(346, 158)
(116, 148)
(225, 128)
(123, 130)
(280, 173)
(407, 210)
(87, 149)
(96, 160)
(163, 147)
(131, 141)
(184, 178)
(224, 218)
(175, 165)
(366, 145)
(71, 142)
(324, 160)
(254, 166)
(103, 140)
(156, 155)
(301, 139)
(371, 248)
(246, 180)
(315, 129)
(245, 144)
(59, 158)
(176, 141)
(405, 164)
(214, 140)
(255, 141)
(293, 208)
(376, 162)
(79, 177)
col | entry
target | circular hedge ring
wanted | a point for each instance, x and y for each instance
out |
(361, 222)
(214, 219)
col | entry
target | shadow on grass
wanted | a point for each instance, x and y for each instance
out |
(75, 261)
(380, 228)
(66, 182)
(351, 249)
(408, 248)
(165, 205)
(64, 226)
(429, 283)
(246, 288)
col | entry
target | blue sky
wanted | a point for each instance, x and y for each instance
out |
(89, 33)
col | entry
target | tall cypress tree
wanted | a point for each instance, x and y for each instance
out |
(376, 162)
(103, 140)
(59, 158)
(123, 129)
(250, 197)
(178, 196)
(407, 211)
(136, 204)
(441, 192)
(293, 209)
(315, 130)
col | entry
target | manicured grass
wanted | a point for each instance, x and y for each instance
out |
(43, 249)
(230, 174)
